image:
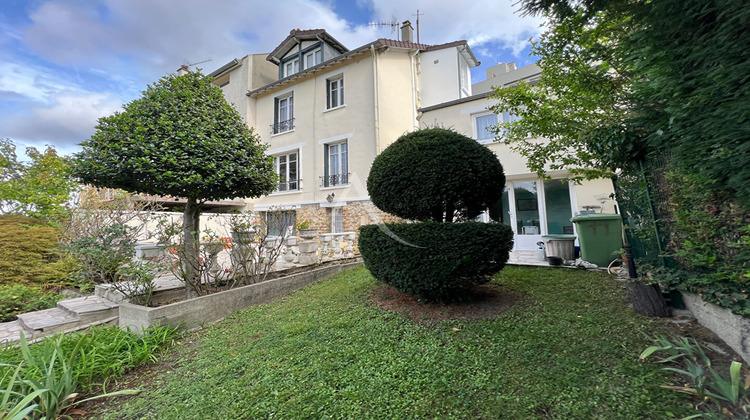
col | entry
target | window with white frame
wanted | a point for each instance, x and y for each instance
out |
(335, 92)
(287, 168)
(283, 114)
(337, 220)
(336, 165)
(291, 67)
(483, 124)
(313, 58)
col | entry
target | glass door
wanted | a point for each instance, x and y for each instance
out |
(528, 221)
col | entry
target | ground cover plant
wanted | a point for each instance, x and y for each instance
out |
(568, 348)
(58, 373)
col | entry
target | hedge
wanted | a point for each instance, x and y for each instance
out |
(436, 261)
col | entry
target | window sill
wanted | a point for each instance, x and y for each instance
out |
(275, 193)
(333, 109)
(282, 133)
(334, 187)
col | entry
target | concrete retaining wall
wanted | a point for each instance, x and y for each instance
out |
(732, 328)
(212, 308)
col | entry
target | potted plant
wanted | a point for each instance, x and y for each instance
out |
(305, 231)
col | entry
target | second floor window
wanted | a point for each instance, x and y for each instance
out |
(335, 92)
(287, 167)
(336, 165)
(483, 125)
(283, 114)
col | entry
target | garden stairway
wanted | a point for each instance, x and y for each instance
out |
(69, 315)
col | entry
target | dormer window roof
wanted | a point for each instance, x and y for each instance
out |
(297, 37)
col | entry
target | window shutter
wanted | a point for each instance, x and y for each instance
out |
(325, 165)
(328, 94)
(275, 112)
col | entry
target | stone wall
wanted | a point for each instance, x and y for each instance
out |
(356, 214)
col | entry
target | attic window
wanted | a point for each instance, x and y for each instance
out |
(291, 67)
(313, 58)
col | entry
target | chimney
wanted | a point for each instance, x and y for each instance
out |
(183, 70)
(407, 32)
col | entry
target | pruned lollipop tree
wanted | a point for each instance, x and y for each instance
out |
(435, 176)
(181, 138)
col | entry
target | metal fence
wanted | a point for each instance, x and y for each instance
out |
(643, 197)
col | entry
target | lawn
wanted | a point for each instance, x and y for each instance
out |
(567, 349)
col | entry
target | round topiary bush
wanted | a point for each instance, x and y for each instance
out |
(435, 174)
(435, 260)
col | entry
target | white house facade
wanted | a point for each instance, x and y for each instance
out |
(326, 112)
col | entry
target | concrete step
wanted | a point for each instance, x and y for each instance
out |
(89, 309)
(48, 321)
(11, 332)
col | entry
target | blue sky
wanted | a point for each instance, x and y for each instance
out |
(65, 63)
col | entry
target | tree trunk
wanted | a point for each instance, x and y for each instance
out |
(191, 261)
(647, 299)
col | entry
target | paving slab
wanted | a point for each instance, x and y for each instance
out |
(11, 332)
(48, 321)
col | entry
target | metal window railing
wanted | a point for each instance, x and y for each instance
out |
(288, 185)
(334, 180)
(282, 126)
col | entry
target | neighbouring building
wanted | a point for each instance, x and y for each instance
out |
(327, 111)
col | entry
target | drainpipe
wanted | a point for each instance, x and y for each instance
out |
(413, 89)
(375, 94)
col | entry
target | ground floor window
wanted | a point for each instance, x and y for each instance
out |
(337, 220)
(279, 222)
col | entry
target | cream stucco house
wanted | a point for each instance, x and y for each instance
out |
(327, 111)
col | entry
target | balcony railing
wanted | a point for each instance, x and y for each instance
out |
(288, 186)
(282, 126)
(334, 180)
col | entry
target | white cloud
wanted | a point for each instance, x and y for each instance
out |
(69, 120)
(478, 22)
(120, 46)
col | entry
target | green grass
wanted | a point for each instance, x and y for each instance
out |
(569, 351)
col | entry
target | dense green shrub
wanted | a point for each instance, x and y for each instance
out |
(29, 255)
(19, 298)
(435, 260)
(435, 174)
(710, 240)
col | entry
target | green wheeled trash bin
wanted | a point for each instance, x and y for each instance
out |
(599, 235)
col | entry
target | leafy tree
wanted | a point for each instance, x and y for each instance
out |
(39, 188)
(435, 174)
(621, 79)
(582, 102)
(180, 138)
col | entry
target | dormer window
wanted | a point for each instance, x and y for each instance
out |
(313, 58)
(291, 67)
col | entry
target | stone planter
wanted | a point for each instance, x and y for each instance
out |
(308, 233)
(732, 328)
(211, 308)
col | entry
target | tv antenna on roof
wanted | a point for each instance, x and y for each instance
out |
(418, 15)
(393, 24)
(197, 62)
